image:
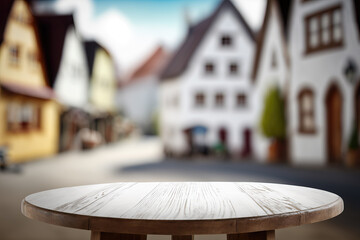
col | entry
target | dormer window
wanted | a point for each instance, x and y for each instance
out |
(14, 55)
(226, 40)
(323, 29)
(209, 68)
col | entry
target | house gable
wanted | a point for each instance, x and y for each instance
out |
(225, 52)
(103, 84)
(179, 63)
(21, 59)
(72, 84)
(274, 25)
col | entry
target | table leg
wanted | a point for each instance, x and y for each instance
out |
(95, 235)
(182, 237)
(266, 235)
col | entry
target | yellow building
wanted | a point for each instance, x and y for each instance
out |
(102, 89)
(28, 114)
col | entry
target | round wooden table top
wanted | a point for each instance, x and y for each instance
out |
(182, 208)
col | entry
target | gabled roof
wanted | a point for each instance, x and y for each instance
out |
(182, 57)
(4, 14)
(52, 31)
(153, 65)
(283, 8)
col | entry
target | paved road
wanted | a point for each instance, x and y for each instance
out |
(141, 160)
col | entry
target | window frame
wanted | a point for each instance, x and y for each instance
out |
(244, 99)
(226, 40)
(20, 126)
(230, 70)
(317, 16)
(211, 66)
(219, 100)
(302, 114)
(197, 102)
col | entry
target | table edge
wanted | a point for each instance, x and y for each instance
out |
(183, 227)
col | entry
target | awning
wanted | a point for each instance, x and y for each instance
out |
(197, 129)
(42, 92)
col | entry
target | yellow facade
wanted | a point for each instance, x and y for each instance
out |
(28, 123)
(103, 82)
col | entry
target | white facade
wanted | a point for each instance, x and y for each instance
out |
(318, 71)
(138, 100)
(272, 71)
(72, 84)
(177, 96)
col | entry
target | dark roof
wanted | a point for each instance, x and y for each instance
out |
(5, 9)
(357, 13)
(153, 65)
(52, 31)
(195, 35)
(90, 49)
(283, 8)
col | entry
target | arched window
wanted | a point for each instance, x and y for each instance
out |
(306, 111)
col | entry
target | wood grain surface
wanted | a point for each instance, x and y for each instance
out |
(182, 208)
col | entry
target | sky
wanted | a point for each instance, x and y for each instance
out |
(132, 29)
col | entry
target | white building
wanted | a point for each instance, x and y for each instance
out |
(323, 45)
(206, 91)
(271, 64)
(137, 95)
(67, 70)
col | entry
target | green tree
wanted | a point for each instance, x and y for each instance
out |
(273, 117)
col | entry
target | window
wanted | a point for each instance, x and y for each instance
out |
(33, 60)
(219, 100)
(199, 100)
(14, 55)
(22, 117)
(209, 68)
(324, 30)
(233, 69)
(241, 100)
(306, 111)
(226, 40)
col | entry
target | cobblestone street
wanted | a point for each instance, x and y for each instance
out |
(142, 160)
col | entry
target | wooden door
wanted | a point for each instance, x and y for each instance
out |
(334, 124)
(223, 136)
(247, 149)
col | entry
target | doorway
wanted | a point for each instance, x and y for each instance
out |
(334, 124)
(246, 149)
(223, 136)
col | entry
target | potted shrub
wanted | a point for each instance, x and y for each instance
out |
(273, 124)
(352, 156)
